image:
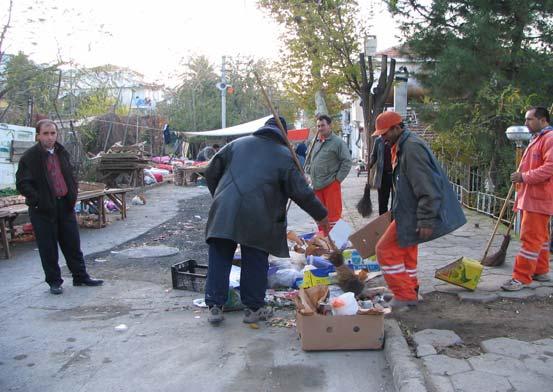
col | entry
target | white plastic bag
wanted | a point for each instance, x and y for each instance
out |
(284, 278)
(344, 305)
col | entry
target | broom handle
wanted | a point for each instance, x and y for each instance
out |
(280, 126)
(510, 224)
(309, 151)
(499, 219)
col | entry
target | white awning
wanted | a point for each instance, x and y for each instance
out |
(237, 130)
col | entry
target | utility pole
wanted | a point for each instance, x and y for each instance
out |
(223, 96)
(29, 116)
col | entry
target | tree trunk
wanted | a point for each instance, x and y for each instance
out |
(320, 103)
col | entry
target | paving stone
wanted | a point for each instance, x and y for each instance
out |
(424, 350)
(541, 343)
(143, 252)
(521, 294)
(544, 292)
(477, 381)
(443, 365)
(447, 288)
(440, 383)
(437, 338)
(530, 382)
(509, 347)
(541, 364)
(413, 385)
(497, 364)
(478, 297)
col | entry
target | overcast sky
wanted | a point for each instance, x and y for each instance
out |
(151, 37)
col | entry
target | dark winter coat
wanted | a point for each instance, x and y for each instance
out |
(251, 180)
(377, 157)
(33, 181)
(424, 196)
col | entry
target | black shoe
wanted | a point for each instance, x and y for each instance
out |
(87, 282)
(56, 289)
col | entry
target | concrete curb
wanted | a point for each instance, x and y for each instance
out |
(405, 372)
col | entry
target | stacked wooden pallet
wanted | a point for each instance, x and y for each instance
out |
(123, 166)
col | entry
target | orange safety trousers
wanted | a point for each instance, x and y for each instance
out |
(331, 197)
(533, 256)
(398, 265)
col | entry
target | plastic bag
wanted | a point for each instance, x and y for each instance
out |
(344, 305)
(284, 278)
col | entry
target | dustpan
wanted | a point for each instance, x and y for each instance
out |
(463, 272)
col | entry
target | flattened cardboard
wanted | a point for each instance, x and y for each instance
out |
(365, 239)
(359, 332)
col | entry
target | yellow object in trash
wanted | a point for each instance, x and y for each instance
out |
(315, 277)
(463, 272)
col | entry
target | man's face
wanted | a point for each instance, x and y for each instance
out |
(324, 128)
(47, 136)
(533, 123)
(392, 135)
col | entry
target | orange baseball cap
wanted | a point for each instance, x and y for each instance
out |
(385, 121)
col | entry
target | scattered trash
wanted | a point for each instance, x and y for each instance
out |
(196, 317)
(100, 260)
(253, 326)
(121, 328)
(198, 217)
(138, 200)
(199, 302)
(282, 322)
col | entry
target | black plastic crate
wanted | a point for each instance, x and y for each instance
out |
(189, 275)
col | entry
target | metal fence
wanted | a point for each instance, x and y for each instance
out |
(470, 185)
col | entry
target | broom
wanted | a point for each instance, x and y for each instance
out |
(498, 259)
(364, 206)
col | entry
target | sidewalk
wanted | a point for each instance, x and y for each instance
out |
(69, 342)
(506, 364)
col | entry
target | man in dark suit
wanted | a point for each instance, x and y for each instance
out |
(45, 178)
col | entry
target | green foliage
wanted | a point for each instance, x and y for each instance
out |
(23, 79)
(490, 61)
(196, 104)
(474, 133)
(322, 40)
(96, 103)
(8, 192)
(479, 41)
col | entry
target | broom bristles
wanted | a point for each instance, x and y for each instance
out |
(364, 206)
(498, 259)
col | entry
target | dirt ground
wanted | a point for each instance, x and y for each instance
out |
(186, 231)
(529, 320)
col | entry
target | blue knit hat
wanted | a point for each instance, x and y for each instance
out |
(272, 122)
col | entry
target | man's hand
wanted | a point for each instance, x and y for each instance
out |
(424, 232)
(325, 225)
(516, 177)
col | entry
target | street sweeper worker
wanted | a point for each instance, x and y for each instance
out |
(251, 180)
(424, 208)
(534, 181)
(328, 166)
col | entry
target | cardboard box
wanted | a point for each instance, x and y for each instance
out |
(359, 332)
(365, 239)
(353, 260)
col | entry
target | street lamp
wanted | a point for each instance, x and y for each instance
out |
(518, 134)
